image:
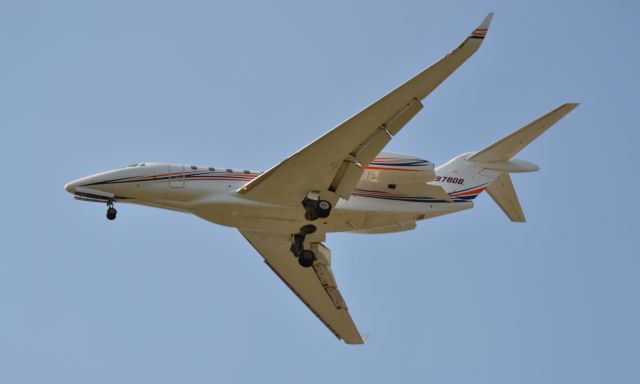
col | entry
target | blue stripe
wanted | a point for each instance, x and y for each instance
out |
(417, 163)
(415, 199)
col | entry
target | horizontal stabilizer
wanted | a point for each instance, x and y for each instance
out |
(512, 166)
(509, 146)
(503, 193)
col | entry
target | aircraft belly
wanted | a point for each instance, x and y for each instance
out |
(246, 214)
(381, 213)
(354, 215)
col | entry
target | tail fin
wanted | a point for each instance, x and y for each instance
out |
(502, 192)
(498, 157)
(466, 176)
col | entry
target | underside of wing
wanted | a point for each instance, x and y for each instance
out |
(315, 286)
(333, 164)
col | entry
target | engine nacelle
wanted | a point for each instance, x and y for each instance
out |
(395, 168)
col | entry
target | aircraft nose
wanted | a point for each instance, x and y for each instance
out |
(71, 187)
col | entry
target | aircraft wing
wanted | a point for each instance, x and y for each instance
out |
(335, 161)
(315, 286)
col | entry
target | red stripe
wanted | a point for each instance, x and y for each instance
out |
(474, 192)
(209, 179)
(193, 172)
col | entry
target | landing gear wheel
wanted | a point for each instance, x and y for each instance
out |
(306, 258)
(323, 209)
(111, 213)
(308, 229)
(316, 208)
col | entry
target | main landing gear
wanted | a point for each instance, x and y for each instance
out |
(305, 257)
(316, 208)
(111, 211)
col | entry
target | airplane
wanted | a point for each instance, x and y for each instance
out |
(341, 182)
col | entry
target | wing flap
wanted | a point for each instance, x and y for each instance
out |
(403, 117)
(348, 174)
(373, 147)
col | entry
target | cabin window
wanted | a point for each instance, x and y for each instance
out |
(194, 167)
(391, 186)
(211, 169)
(229, 170)
(246, 171)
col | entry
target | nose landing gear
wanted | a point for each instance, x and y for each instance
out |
(111, 211)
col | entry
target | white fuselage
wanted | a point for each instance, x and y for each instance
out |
(210, 193)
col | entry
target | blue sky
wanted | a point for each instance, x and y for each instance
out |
(163, 297)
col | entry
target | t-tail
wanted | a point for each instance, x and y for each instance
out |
(466, 176)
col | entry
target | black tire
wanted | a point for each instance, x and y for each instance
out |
(111, 213)
(323, 208)
(306, 258)
(308, 229)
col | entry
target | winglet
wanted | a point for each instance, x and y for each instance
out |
(474, 40)
(481, 31)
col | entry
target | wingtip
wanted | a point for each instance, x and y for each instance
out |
(486, 21)
(481, 30)
(570, 106)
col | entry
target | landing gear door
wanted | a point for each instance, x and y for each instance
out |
(176, 176)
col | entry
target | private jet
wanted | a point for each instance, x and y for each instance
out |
(341, 182)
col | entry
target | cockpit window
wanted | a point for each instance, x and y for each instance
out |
(229, 170)
(194, 167)
(132, 165)
(212, 169)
